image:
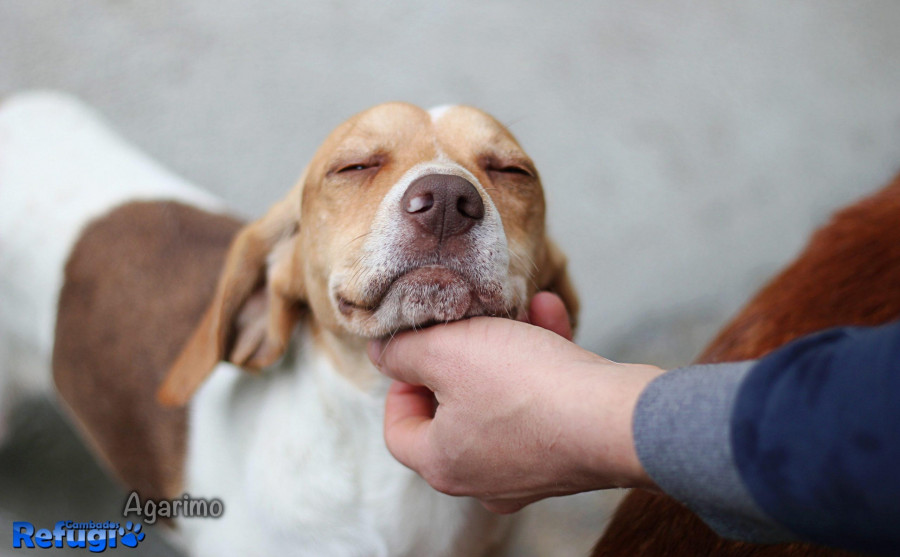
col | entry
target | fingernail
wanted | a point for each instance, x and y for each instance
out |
(374, 350)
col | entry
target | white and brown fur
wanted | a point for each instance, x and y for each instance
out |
(165, 302)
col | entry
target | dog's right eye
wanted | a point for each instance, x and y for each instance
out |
(354, 168)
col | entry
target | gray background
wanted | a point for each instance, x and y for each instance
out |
(687, 148)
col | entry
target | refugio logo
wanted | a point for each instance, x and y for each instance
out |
(97, 537)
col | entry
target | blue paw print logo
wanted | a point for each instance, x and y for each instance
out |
(133, 536)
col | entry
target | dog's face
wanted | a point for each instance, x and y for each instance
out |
(403, 218)
(410, 218)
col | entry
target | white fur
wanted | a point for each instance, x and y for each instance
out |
(438, 112)
(298, 456)
(60, 167)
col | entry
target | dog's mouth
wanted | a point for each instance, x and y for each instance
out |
(421, 297)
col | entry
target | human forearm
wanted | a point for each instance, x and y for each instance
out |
(682, 432)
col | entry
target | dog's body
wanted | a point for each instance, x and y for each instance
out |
(59, 170)
(403, 218)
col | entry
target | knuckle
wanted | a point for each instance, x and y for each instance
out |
(440, 479)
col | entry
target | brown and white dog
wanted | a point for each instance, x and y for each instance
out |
(403, 218)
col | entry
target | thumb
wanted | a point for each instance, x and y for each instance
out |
(548, 311)
(408, 413)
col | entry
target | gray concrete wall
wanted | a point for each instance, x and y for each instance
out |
(687, 148)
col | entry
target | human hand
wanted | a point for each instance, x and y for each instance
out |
(523, 413)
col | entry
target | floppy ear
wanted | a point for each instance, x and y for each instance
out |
(554, 277)
(255, 307)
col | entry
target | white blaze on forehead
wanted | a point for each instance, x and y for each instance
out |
(438, 112)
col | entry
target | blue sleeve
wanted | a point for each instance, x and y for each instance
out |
(816, 437)
(801, 445)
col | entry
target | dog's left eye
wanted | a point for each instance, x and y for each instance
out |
(512, 170)
(500, 168)
(500, 171)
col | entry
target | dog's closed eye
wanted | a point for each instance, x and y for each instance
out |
(355, 168)
(498, 165)
(513, 169)
(356, 165)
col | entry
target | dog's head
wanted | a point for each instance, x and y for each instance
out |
(403, 218)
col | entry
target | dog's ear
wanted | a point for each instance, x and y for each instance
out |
(257, 303)
(554, 277)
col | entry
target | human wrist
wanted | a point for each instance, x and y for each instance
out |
(603, 418)
(636, 474)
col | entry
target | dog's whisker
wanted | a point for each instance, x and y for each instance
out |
(361, 236)
(388, 343)
(527, 259)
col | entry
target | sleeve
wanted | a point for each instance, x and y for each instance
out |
(816, 437)
(801, 445)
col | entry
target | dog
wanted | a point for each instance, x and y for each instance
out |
(847, 275)
(203, 356)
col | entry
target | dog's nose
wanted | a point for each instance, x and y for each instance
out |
(442, 204)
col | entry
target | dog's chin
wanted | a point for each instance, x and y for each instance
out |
(422, 297)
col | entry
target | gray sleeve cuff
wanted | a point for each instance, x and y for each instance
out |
(682, 433)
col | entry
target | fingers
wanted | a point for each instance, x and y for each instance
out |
(411, 357)
(423, 357)
(548, 311)
(408, 412)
